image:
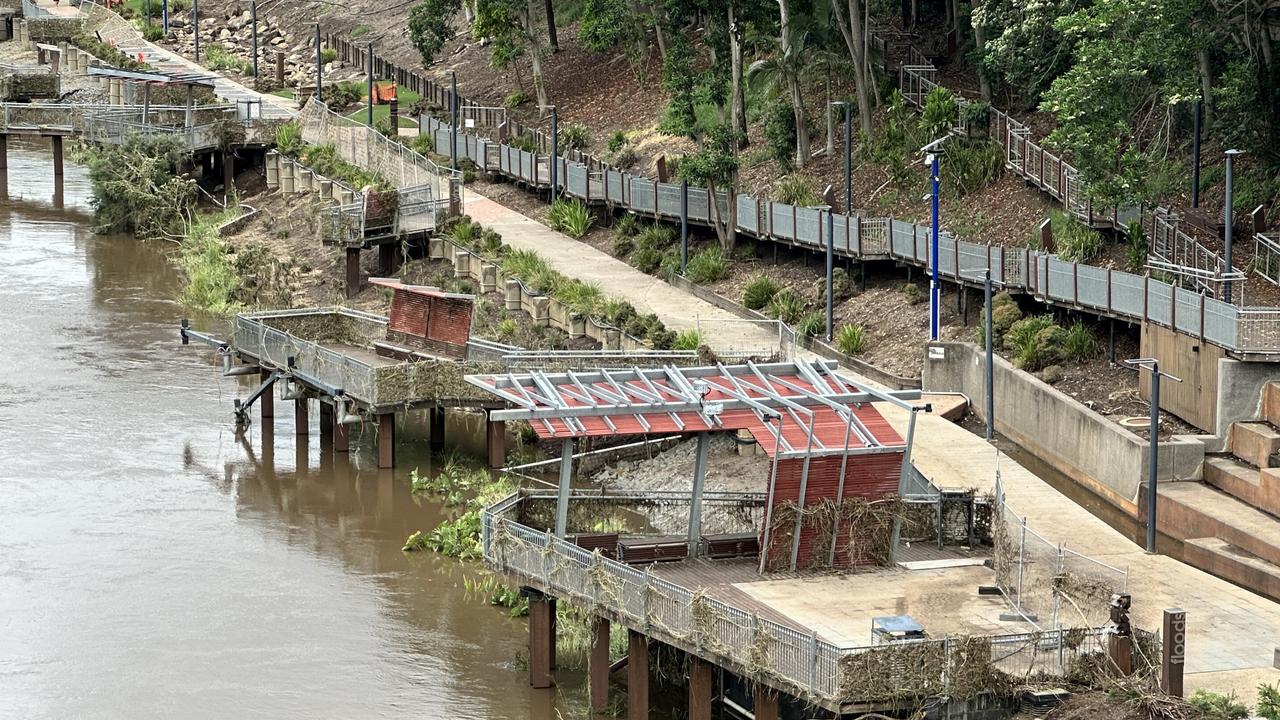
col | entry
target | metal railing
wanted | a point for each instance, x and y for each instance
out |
(793, 658)
(253, 336)
(1266, 254)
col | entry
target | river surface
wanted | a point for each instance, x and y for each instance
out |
(152, 565)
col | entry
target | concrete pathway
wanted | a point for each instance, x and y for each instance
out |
(1232, 634)
(678, 309)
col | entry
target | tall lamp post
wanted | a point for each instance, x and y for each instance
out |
(369, 114)
(555, 150)
(831, 258)
(319, 61)
(1153, 366)
(848, 155)
(987, 284)
(1229, 201)
(931, 157)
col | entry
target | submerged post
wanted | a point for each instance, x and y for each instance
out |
(386, 440)
(598, 664)
(562, 498)
(301, 421)
(541, 632)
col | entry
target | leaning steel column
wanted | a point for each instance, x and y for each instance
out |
(598, 664)
(56, 140)
(765, 701)
(267, 401)
(695, 502)
(353, 271)
(386, 440)
(540, 633)
(637, 676)
(562, 497)
(699, 688)
(301, 421)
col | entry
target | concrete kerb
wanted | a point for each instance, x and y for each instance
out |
(1086, 446)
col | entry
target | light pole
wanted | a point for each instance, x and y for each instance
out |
(555, 150)
(369, 115)
(848, 155)
(1195, 154)
(831, 258)
(1153, 459)
(987, 284)
(253, 18)
(684, 224)
(453, 121)
(164, 15)
(195, 23)
(931, 153)
(1230, 221)
(319, 63)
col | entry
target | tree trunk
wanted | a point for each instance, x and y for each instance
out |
(867, 66)
(535, 55)
(551, 26)
(831, 121)
(657, 27)
(792, 76)
(726, 227)
(738, 101)
(849, 19)
(980, 40)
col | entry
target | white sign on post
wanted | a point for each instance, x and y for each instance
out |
(469, 122)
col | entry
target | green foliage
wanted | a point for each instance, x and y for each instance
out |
(1004, 313)
(1073, 240)
(1078, 342)
(430, 26)
(328, 55)
(626, 157)
(688, 340)
(324, 159)
(1024, 50)
(715, 163)
(786, 306)
(107, 52)
(914, 294)
(967, 167)
(574, 137)
(584, 298)
(780, 132)
(524, 142)
(627, 225)
(1036, 342)
(617, 141)
(571, 217)
(759, 292)
(896, 146)
(1136, 250)
(344, 94)
(679, 78)
(153, 33)
(134, 190)
(707, 266)
(662, 339)
(360, 31)
(515, 100)
(289, 139)
(798, 190)
(851, 339)
(669, 266)
(607, 24)
(216, 57)
(1269, 701)
(812, 324)
(415, 542)
(1217, 706)
(212, 278)
(623, 245)
(940, 113)
(841, 282)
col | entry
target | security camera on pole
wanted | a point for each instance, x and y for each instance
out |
(931, 153)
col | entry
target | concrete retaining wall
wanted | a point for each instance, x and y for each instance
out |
(1080, 443)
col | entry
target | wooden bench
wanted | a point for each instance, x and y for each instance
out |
(1205, 222)
(731, 545)
(653, 549)
(606, 543)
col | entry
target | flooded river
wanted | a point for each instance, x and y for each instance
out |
(151, 565)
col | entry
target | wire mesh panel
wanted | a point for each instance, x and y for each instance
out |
(642, 195)
(784, 220)
(699, 209)
(843, 235)
(1159, 303)
(614, 181)
(810, 226)
(1091, 286)
(1127, 294)
(1086, 586)
(748, 215)
(669, 198)
(576, 182)
(1186, 311)
(1060, 279)
(902, 239)
(1226, 326)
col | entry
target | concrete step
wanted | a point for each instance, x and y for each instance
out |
(1271, 402)
(1191, 510)
(1255, 442)
(1229, 562)
(1254, 487)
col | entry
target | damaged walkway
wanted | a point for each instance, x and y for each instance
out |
(1232, 634)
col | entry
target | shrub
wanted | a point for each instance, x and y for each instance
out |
(646, 258)
(786, 306)
(1073, 240)
(669, 267)
(688, 340)
(969, 166)
(851, 339)
(914, 294)
(627, 225)
(522, 264)
(507, 329)
(544, 280)
(574, 137)
(1003, 315)
(328, 55)
(571, 217)
(623, 245)
(216, 57)
(1078, 342)
(1217, 706)
(780, 132)
(840, 281)
(759, 292)
(626, 157)
(662, 339)
(359, 30)
(656, 235)
(515, 100)
(153, 33)
(490, 243)
(1036, 342)
(1136, 250)
(524, 142)
(617, 141)
(798, 190)
(583, 298)
(1268, 701)
(813, 324)
(707, 266)
(344, 94)
(289, 139)
(940, 113)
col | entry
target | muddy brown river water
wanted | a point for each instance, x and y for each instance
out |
(151, 565)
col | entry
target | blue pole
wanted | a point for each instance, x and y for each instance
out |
(933, 261)
(164, 14)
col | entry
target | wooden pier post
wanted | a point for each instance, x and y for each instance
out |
(56, 140)
(765, 701)
(326, 426)
(496, 442)
(353, 271)
(598, 664)
(341, 436)
(637, 676)
(388, 254)
(279, 68)
(436, 428)
(4, 152)
(386, 440)
(541, 632)
(699, 688)
(301, 421)
(267, 401)
(1174, 652)
(228, 173)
